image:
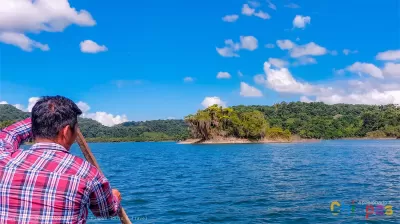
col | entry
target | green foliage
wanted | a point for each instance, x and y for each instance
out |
(319, 120)
(376, 134)
(158, 130)
(277, 133)
(216, 121)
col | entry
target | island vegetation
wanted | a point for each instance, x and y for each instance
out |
(280, 121)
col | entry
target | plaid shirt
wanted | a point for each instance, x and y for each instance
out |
(46, 184)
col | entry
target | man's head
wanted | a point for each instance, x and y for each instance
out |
(55, 119)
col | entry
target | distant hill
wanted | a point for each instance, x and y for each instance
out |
(157, 130)
(10, 113)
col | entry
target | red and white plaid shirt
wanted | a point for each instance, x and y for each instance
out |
(46, 184)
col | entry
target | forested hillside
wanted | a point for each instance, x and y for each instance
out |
(308, 120)
(157, 130)
(319, 120)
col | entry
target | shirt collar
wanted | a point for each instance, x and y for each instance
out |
(49, 145)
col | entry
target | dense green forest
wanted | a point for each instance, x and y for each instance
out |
(216, 121)
(307, 120)
(157, 130)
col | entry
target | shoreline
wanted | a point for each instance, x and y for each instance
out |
(244, 141)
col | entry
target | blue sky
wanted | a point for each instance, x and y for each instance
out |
(149, 47)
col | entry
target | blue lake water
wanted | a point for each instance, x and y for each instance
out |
(253, 183)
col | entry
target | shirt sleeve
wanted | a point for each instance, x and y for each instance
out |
(103, 203)
(14, 135)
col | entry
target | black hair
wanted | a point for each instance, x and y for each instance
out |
(51, 114)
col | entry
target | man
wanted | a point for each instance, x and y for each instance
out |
(46, 184)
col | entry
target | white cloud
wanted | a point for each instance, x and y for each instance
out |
(365, 68)
(305, 99)
(391, 69)
(249, 91)
(223, 75)
(339, 71)
(259, 79)
(83, 106)
(285, 44)
(107, 119)
(281, 80)
(300, 21)
(21, 41)
(391, 55)
(89, 46)
(248, 42)
(278, 62)
(271, 5)
(20, 107)
(307, 49)
(3, 102)
(171, 118)
(102, 117)
(246, 10)
(292, 6)
(348, 51)
(20, 16)
(305, 61)
(231, 48)
(188, 79)
(373, 97)
(211, 100)
(270, 45)
(31, 102)
(230, 18)
(262, 15)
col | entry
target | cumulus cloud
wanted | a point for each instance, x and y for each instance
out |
(281, 80)
(22, 16)
(89, 46)
(277, 62)
(102, 117)
(348, 51)
(31, 102)
(223, 75)
(300, 21)
(230, 18)
(22, 41)
(374, 97)
(231, 48)
(305, 99)
(249, 91)
(391, 69)
(301, 50)
(285, 44)
(211, 100)
(262, 15)
(20, 107)
(248, 42)
(3, 102)
(391, 55)
(365, 68)
(248, 11)
(188, 79)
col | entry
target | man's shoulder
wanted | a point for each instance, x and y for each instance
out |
(82, 167)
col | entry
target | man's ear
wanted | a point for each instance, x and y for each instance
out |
(66, 131)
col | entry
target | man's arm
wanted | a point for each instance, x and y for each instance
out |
(14, 135)
(103, 203)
